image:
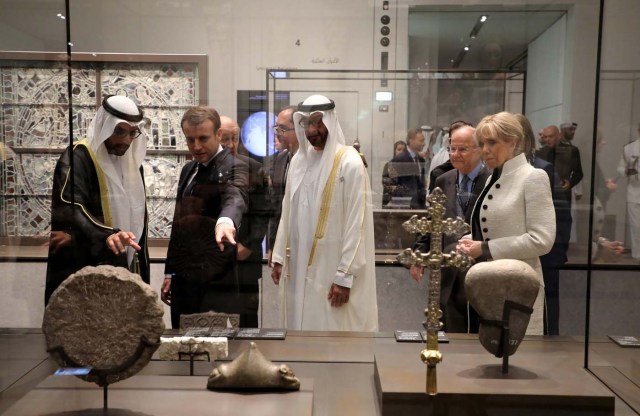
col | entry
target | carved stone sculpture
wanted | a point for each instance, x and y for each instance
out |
(210, 319)
(503, 293)
(251, 370)
(105, 318)
(202, 348)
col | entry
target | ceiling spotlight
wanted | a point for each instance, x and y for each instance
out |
(456, 62)
(476, 28)
(61, 16)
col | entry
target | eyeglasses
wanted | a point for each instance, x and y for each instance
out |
(306, 122)
(462, 150)
(122, 133)
(280, 129)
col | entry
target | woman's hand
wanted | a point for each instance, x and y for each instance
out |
(416, 272)
(470, 247)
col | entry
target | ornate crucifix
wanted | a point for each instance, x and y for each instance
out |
(434, 260)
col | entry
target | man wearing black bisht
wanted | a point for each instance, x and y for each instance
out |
(98, 208)
(201, 270)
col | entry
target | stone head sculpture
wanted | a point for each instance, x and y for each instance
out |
(503, 293)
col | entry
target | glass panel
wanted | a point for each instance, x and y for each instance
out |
(431, 63)
(614, 333)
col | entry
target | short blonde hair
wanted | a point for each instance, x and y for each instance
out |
(502, 126)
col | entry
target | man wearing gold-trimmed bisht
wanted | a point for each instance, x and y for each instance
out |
(323, 258)
(98, 208)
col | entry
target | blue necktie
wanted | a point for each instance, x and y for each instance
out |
(463, 192)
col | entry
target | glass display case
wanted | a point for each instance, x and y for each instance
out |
(389, 66)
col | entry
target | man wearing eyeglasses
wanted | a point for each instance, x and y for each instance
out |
(461, 186)
(253, 227)
(98, 206)
(286, 134)
(323, 257)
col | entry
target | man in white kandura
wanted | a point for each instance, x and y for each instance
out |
(327, 279)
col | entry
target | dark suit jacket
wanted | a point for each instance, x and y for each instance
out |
(410, 179)
(255, 220)
(558, 254)
(192, 253)
(565, 159)
(278, 182)
(447, 183)
(437, 171)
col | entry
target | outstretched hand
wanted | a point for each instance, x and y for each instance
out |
(225, 232)
(117, 242)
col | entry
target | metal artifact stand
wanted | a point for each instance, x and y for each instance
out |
(103, 373)
(503, 324)
(192, 354)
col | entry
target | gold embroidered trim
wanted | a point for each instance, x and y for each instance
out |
(327, 193)
(104, 196)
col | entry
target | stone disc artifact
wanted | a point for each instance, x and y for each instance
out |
(105, 318)
(492, 285)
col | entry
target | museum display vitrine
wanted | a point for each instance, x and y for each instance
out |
(544, 59)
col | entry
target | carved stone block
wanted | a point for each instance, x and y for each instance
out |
(210, 319)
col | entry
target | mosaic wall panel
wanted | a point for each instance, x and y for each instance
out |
(161, 176)
(164, 130)
(165, 85)
(26, 215)
(34, 123)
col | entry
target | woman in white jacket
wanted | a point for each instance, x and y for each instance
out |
(514, 216)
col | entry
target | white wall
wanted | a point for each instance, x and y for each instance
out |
(545, 76)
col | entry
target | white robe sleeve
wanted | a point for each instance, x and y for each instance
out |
(356, 198)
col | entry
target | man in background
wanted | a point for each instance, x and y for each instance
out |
(253, 228)
(98, 206)
(629, 167)
(564, 157)
(286, 133)
(410, 169)
(461, 186)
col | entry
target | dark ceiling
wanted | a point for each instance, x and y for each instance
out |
(437, 36)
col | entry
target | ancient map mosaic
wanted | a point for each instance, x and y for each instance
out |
(35, 129)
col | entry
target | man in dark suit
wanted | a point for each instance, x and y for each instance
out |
(200, 271)
(408, 168)
(564, 157)
(286, 133)
(253, 228)
(461, 186)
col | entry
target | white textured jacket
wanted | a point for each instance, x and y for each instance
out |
(517, 220)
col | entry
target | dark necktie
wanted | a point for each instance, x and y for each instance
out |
(201, 172)
(463, 192)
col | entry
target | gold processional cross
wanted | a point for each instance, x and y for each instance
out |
(434, 260)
